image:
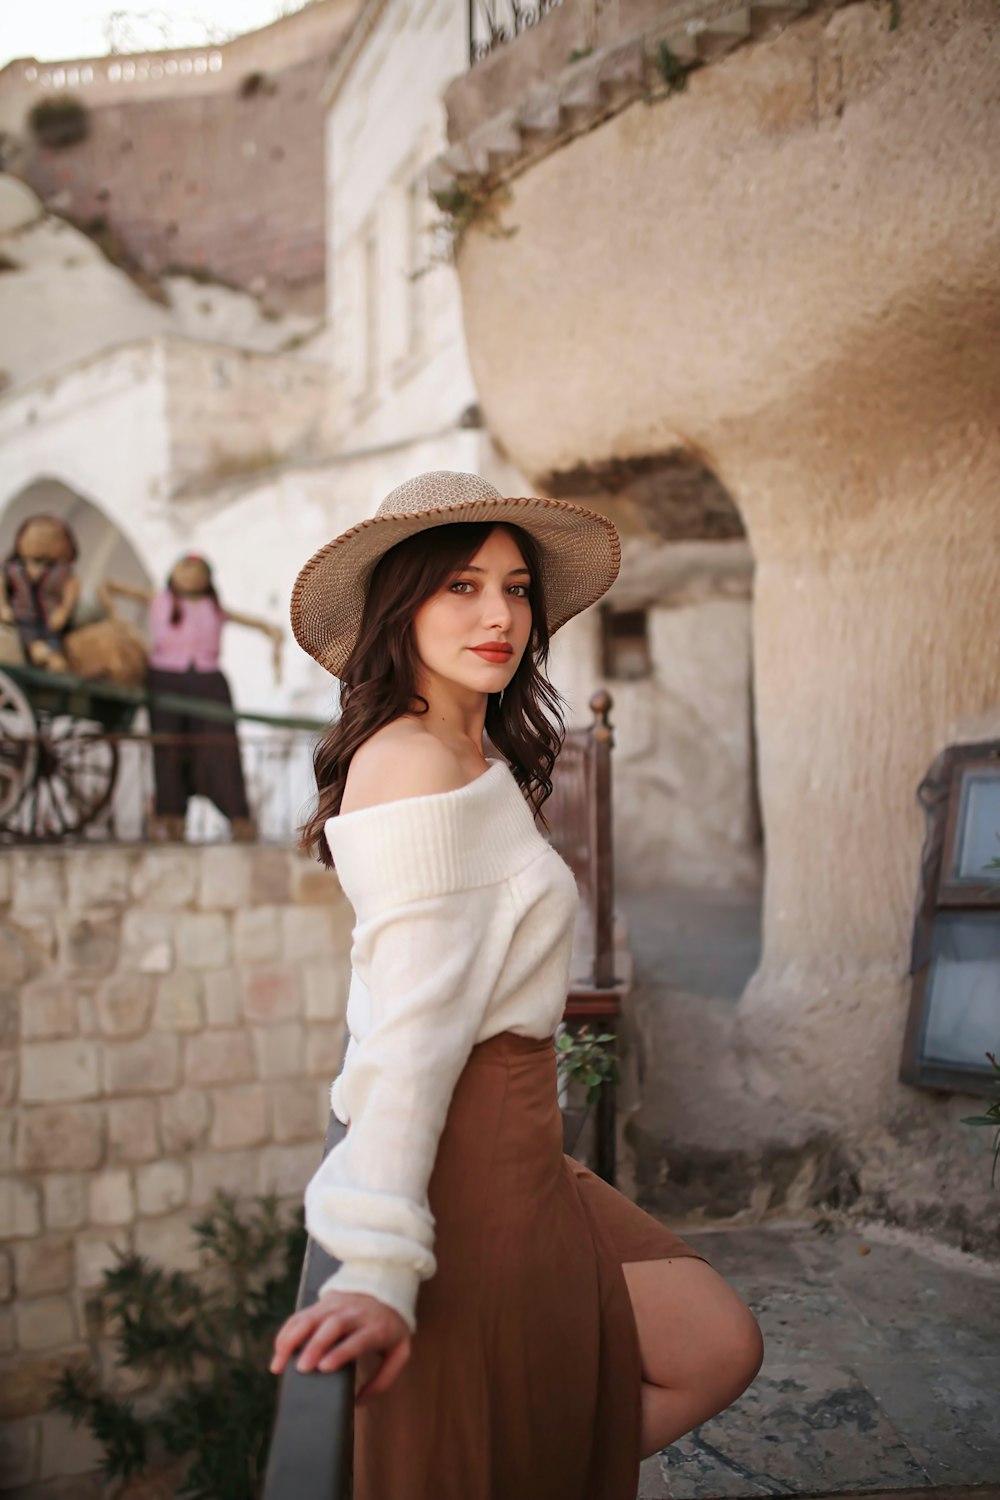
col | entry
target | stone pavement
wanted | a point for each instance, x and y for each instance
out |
(881, 1373)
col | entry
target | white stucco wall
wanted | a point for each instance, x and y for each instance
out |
(684, 797)
(101, 429)
(398, 345)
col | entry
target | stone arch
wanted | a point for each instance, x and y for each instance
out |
(687, 805)
(105, 550)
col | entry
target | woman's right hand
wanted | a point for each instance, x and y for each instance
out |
(340, 1327)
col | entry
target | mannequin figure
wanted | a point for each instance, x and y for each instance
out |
(185, 627)
(39, 589)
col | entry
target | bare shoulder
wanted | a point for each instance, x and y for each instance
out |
(399, 761)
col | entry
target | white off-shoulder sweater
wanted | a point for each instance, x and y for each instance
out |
(465, 917)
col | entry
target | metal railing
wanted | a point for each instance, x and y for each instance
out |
(494, 22)
(77, 762)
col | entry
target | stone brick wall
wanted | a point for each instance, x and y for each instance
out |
(220, 183)
(170, 1021)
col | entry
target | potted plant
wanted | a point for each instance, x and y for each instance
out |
(991, 1119)
(585, 1064)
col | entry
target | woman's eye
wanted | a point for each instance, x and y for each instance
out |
(522, 589)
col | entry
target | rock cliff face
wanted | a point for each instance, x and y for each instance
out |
(206, 160)
(789, 272)
(63, 300)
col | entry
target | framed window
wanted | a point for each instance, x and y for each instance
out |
(970, 867)
(625, 653)
(955, 1003)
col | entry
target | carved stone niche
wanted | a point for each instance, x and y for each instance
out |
(672, 497)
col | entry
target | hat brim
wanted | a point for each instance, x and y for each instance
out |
(580, 552)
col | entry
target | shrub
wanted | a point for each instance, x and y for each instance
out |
(991, 1119)
(470, 199)
(207, 1338)
(59, 122)
(587, 1060)
(252, 84)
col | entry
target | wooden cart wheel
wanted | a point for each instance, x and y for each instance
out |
(72, 785)
(18, 748)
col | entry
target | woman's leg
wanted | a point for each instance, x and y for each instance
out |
(699, 1343)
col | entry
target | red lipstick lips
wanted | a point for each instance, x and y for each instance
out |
(494, 651)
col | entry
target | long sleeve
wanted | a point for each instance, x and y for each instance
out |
(430, 966)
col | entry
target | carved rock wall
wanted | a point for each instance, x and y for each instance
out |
(788, 271)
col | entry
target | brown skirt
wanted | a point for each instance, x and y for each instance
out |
(524, 1379)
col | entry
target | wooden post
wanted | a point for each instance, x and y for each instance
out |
(602, 854)
(602, 842)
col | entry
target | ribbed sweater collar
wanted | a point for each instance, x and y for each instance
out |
(418, 847)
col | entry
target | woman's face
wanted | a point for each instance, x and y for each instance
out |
(486, 603)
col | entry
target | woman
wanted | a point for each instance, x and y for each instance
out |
(528, 1332)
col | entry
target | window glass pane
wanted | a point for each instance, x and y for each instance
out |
(625, 643)
(962, 1017)
(978, 839)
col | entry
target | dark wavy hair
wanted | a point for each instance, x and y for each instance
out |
(379, 681)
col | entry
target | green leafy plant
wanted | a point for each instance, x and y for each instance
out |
(991, 1119)
(673, 72)
(252, 84)
(59, 122)
(469, 199)
(206, 1339)
(587, 1060)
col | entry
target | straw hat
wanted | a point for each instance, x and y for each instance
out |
(580, 553)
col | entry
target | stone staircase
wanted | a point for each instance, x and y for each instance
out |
(603, 80)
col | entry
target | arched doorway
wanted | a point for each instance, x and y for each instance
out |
(673, 643)
(105, 551)
(62, 773)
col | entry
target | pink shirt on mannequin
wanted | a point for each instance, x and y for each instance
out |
(193, 642)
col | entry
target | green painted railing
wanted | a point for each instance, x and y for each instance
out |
(37, 683)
